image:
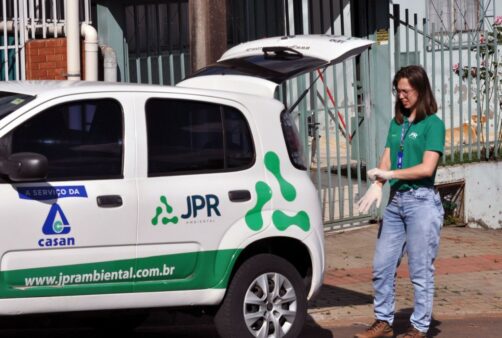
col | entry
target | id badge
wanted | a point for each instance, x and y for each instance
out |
(400, 160)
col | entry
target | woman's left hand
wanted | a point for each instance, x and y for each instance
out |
(376, 173)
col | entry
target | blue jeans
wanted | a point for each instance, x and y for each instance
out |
(411, 223)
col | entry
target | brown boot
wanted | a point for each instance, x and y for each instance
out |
(414, 333)
(379, 329)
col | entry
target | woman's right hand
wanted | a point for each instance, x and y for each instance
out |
(374, 194)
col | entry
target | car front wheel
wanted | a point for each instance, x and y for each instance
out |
(266, 299)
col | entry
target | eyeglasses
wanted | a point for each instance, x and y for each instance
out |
(405, 92)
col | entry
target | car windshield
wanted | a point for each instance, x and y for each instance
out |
(9, 102)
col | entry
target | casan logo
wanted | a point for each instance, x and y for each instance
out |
(194, 205)
(56, 223)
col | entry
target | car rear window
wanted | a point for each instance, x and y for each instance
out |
(272, 68)
(186, 137)
(295, 148)
(9, 102)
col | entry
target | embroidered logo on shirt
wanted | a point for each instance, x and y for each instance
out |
(413, 135)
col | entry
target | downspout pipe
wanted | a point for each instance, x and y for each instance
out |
(90, 36)
(72, 40)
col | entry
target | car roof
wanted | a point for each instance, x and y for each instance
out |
(40, 87)
(36, 88)
(47, 89)
(50, 89)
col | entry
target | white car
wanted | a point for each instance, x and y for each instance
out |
(120, 196)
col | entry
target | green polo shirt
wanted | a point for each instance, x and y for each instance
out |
(427, 134)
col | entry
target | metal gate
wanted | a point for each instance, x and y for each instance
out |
(24, 20)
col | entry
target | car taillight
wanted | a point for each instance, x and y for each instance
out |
(293, 143)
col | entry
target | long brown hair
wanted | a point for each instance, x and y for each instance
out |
(419, 81)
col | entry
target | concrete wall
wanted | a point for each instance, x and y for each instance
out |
(483, 191)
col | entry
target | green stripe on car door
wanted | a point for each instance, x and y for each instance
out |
(183, 271)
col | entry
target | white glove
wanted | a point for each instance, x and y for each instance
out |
(374, 194)
(375, 173)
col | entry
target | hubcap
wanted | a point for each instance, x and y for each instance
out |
(270, 306)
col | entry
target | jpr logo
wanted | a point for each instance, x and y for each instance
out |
(196, 203)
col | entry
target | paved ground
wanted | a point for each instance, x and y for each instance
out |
(468, 299)
(468, 277)
(465, 327)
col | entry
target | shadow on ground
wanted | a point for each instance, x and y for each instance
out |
(124, 324)
(402, 323)
(312, 329)
(332, 296)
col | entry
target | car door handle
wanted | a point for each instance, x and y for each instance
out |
(239, 195)
(109, 201)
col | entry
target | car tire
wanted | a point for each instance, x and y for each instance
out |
(279, 311)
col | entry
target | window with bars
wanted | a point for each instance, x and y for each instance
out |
(454, 15)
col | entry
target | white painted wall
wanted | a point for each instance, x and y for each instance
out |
(483, 191)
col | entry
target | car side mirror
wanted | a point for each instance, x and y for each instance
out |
(21, 167)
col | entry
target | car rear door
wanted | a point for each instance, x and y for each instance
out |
(196, 174)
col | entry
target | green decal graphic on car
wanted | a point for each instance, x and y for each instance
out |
(273, 164)
(159, 210)
(254, 218)
(282, 222)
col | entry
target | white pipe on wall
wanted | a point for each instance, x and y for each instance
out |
(91, 51)
(110, 64)
(72, 40)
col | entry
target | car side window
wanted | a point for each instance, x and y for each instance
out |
(187, 137)
(82, 140)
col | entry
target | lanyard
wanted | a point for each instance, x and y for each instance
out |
(404, 130)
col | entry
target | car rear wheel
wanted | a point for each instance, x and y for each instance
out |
(266, 298)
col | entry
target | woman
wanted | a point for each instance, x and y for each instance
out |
(414, 216)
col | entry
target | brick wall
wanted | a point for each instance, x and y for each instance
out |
(46, 59)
